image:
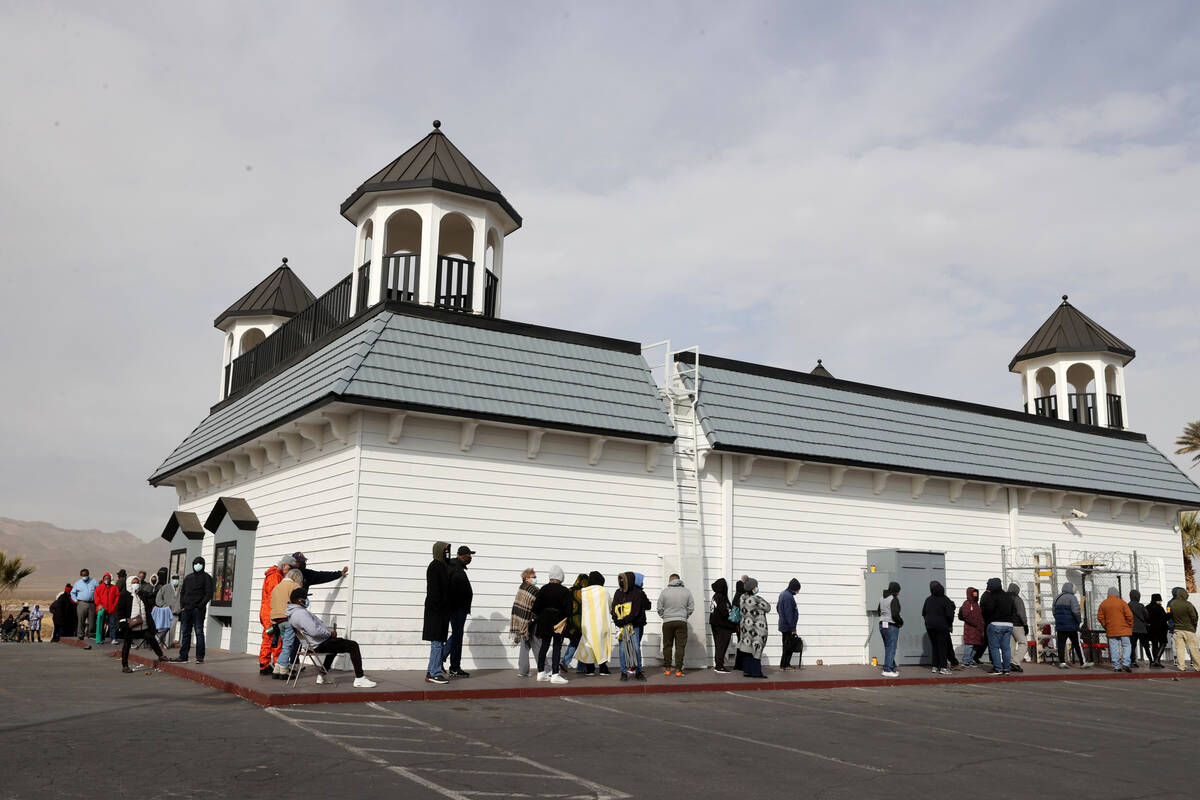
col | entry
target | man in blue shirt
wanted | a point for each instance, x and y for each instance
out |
(84, 593)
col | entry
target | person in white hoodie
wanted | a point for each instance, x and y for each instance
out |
(327, 642)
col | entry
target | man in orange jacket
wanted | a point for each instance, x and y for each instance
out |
(1117, 618)
(268, 651)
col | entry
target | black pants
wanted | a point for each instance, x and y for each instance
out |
(1073, 638)
(940, 646)
(791, 644)
(557, 641)
(721, 637)
(335, 645)
(1158, 647)
(1144, 640)
(145, 635)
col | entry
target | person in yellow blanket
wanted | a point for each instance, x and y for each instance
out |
(268, 651)
(595, 643)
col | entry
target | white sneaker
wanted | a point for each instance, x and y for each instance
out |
(543, 676)
(363, 683)
(891, 674)
(556, 678)
(321, 680)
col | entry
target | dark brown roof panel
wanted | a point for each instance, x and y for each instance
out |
(237, 509)
(1069, 330)
(184, 521)
(280, 294)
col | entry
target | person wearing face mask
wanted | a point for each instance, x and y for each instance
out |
(754, 629)
(106, 597)
(133, 617)
(84, 595)
(520, 627)
(323, 640)
(194, 596)
(165, 602)
(268, 651)
(461, 595)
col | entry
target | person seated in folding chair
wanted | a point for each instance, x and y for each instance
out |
(324, 641)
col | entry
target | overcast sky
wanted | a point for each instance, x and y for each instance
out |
(903, 193)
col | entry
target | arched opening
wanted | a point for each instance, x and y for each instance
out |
(1116, 413)
(1081, 401)
(454, 286)
(251, 339)
(368, 242)
(491, 277)
(402, 256)
(1045, 404)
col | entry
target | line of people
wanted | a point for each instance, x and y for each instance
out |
(26, 626)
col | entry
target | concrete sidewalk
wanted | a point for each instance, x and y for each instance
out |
(238, 675)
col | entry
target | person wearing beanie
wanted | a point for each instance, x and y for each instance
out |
(1117, 620)
(754, 628)
(323, 640)
(106, 597)
(974, 631)
(1183, 614)
(1156, 627)
(268, 650)
(552, 609)
(675, 606)
(890, 623)
(1066, 625)
(62, 612)
(629, 615)
(789, 618)
(938, 613)
(1141, 634)
(1020, 634)
(996, 605)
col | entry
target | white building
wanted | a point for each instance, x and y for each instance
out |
(398, 409)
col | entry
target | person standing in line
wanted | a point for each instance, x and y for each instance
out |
(974, 634)
(753, 640)
(595, 645)
(84, 594)
(1020, 633)
(35, 623)
(436, 626)
(789, 618)
(552, 609)
(281, 595)
(1116, 618)
(575, 623)
(1066, 625)
(133, 616)
(723, 626)
(105, 597)
(120, 581)
(268, 648)
(461, 595)
(520, 625)
(324, 641)
(629, 615)
(675, 607)
(62, 612)
(1140, 635)
(739, 589)
(316, 577)
(997, 608)
(890, 623)
(1156, 627)
(166, 608)
(1183, 614)
(938, 613)
(194, 596)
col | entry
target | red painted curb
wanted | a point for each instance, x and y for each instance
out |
(335, 695)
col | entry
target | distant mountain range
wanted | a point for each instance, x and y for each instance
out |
(59, 554)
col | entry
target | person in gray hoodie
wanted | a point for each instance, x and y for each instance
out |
(1141, 629)
(322, 640)
(1020, 633)
(675, 605)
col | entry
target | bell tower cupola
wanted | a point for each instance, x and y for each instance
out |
(1073, 369)
(430, 229)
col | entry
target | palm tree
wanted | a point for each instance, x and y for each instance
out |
(1189, 531)
(12, 572)
(1189, 441)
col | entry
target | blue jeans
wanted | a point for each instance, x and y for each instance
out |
(1000, 646)
(637, 640)
(458, 621)
(189, 619)
(1117, 644)
(436, 649)
(569, 654)
(891, 637)
(287, 644)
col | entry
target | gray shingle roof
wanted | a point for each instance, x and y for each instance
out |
(280, 294)
(745, 408)
(1069, 330)
(446, 363)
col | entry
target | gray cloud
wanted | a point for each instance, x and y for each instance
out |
(904, 193)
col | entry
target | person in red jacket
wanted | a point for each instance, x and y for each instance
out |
(971, 615)
(106, 607)
(268, 651)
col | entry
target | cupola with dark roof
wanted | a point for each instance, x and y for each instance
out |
(430, 229)
(820, 370)
(1073, 369)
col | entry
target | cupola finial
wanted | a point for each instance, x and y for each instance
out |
(285, 259)
(437, 123)
(1064, 298)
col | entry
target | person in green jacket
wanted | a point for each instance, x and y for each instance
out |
(1183, 614)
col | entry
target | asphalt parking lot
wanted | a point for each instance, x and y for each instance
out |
(85, 730)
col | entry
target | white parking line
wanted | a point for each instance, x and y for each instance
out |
(875, 718)
(299, 710)
(374, 759)
(356, 724)
(373, 738)
(456, 771)
(685, 726)
(602, 792)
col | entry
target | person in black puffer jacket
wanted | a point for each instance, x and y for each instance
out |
(722, 627)
(938, 613)
(996, 606)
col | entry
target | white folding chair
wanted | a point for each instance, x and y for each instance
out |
(305, 649)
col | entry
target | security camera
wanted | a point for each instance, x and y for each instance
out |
(1077, 514)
